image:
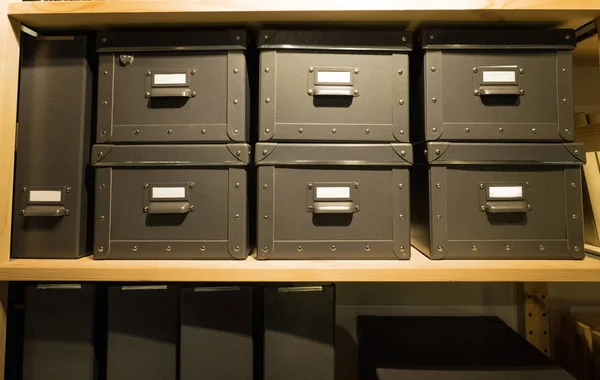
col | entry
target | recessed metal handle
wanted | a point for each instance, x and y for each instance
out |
(506, 207)
(499, 90)
(334, 91)
(170, 92)
(333, 208)
(49, 210)
(168, 208)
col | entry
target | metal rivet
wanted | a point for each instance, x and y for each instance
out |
(146, 186)
(576, 248)
(475, 69)
(401, 216)
(400, 72)
(310, 92)
(192, 208)
(235, 71)
(170, 132)
(356, 92)
(368, 131)
(528, 184)
(573, 184)
(203, 248)
(137, 132)
(431, 36)
(24, 189)
(203, 131)
(193, 94)
(266, 37)
(440, 248)
(299, 249)
(568, 37)
(265, 217)
(474, 248)
(401, 248)
(522, 92)
(193, 71)
(521, 71)
(482, 208)
(267, 131)
(564, 70)
(439, 217)
(146, 209)
(100, 249)
(268, 100)
(501, 130)
(104, 40)
(356, 208)
(265, 249)
(300, 130)
(147, 94)
(476, 92)
(237, 248)
(574, 216)
(355, 71)
(310, 208)
(401, 186)
(333, 248)
(134, 248)
(434, 130)
(534, 130)
(148, 73)
(528, 207)
(264, 152)
(542, 248)
(356, 186)
(101, 218)
(22, 212)
(334, 131)
(468, 130)
(402, 131)
(433, 69)
(401, 102)
(403, 153)
(237, 185)
(106, 72)
(481, 186)
(438, 152)
(508, 247)
(67, 212)
(565, 101)
(192, 185)
(235, 101)
(434, 100)
(368, 248)
(265, 187)
(576, 152)
(103, 133)
(100, 154)
(235, 131)
(105, 103)
(437, 185)
(267, 69)
(102, 187)
(310, 186)
(168, 248)
(311, 69)
(238, 153)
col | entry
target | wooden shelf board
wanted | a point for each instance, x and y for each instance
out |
(97, 14)
(418, 269)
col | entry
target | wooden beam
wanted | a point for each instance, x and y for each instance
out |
(537, 327)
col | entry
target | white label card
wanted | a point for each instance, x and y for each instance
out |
(333, 192)
(499, 77)
(179, 78)
(45, 196)
(341, 77)
(505, 192)
(168, 192)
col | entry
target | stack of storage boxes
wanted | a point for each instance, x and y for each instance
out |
(333, 179)
(171, 151)
(500, 176)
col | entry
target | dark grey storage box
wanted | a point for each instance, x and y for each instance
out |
(494, 85)
(334, 85)
(59, 332)
(53, 142)
(143, 333)
(172, 86)
(498, 201)
(333, 201)
(171, 201)
(299, 332)
(216, 333)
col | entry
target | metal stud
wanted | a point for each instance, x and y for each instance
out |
(565, 101)
(401, 248)
(311, 69)
(203, 248)
(439, 217)
(508, 247)
(134, 248)
(355, 71)
(521, 71)
(101, 218)
(475, 69)
(334, 131)
(22, 212)
(147, 94)
(402, 131)
(103, 133)
(67, 212)
(102, 187)
(333, 248)
(434, 130)
(237, 248)
(24, 189)
(235, 131)
(476, 92)
(440, 248)
(146, 209)
(474, 248)
(137, 132)
(401, 216)
(100, 154)
(401, 186)
(437, 152)
(265, 217)
(146, 186)
(100, 249)
(105, 103)
(265, 249)
(235, 71)
(310, 92)
(300, 130)
(528, 184)
(265, 187)
(356, 92)
(568, 131)
(299, 248)
(168, 248)
(203, 131)
(264, 152)
(235, 101)
(236, 216)
(438, 186)
(192, 208)
(106, 72)
(481, 186)
(368, 248)
(573, 184)
(431, 36)
(192, 185)
(356, 208)
(268, 100)
(368, 131)
(400, 72)
(501, 130)
(564, 70)
(482, 208)
(148, 73)
(193, 94)
(403, 153)
(576, 248)
(542, 248)
(267, 131)
(528, 207)
(237, 38)
(434, 100)
(574, 216)
(310, 186)
(237, 185)
(193, 71)
(534, 130)
(310, 208)
(267, 70)
(401, 102)
(170, 132)
(576, 152)
(433, 69)
(568, 37)
(104, 40)
(468, 130)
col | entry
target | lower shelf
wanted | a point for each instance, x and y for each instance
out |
(418, 269)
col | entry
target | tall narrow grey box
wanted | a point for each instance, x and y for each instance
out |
(299, 332)
(171, 201)
(333, 201)
(59, 332)
(216, 333)
(334, 85)
(52, 150)
(498, 201)
(142, 332)
(172, 86)
(503, 85)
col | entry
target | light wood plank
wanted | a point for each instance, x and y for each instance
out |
(93, 14)
(418, 269)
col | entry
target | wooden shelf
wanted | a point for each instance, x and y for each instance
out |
(418, 269)
(97, 14)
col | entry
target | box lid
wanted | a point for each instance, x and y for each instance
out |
(465, 39)
(170, 40)
(351, 40)
(333, 154)
(444, 153)
(171, 155)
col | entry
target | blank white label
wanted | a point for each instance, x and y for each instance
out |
(333, 192)
(45, 195)
(342, 77)
(499, 77)
(168, 192)
(180, 78)
(505, 192)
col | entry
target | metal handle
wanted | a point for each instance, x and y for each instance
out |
(334, 91)
(333, 208)
(498, 90)
(170, 92)
(168, 208)
(506, 207)
(54, 211)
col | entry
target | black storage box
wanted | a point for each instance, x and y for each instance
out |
(172, 86)
(143, 332)
(299, 332)
(334, 85)
(498, 201)
(449, 348)
(494, 84)
(59, 332)
(50, 209)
